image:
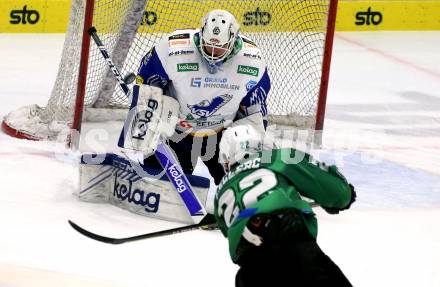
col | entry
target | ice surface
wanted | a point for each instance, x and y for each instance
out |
(382, 128)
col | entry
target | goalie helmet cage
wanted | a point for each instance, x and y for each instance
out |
(295, 38)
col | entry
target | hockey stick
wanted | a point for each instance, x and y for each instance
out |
(163, 152)
(112, 66)
(207, 223)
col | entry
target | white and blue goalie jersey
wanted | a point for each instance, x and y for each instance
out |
(208, 101)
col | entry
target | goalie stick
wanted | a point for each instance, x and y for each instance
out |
(112, 66)
(207, 222)
(163, 153)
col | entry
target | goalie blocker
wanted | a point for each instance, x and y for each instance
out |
(135, 187)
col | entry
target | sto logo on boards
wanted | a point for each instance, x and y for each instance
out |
(24, 16)
(257, 18)
(368, 17)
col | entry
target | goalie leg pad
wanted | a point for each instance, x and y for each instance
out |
(119, 181)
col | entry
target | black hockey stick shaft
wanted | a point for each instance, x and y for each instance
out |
(119, 78)
(207, 222)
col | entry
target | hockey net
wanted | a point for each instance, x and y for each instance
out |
(295, 38)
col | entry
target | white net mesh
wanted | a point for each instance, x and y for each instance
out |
(290, 34)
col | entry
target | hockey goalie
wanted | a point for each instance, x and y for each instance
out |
(190, 87)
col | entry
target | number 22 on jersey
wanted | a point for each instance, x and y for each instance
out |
(251, 188)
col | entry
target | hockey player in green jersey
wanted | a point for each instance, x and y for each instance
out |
(259, 207)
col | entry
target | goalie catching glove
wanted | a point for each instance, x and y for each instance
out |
(152, 117)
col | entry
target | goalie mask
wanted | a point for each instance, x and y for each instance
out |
(239, 143)
(218, 34)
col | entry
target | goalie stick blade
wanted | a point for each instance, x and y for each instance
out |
(206, 223)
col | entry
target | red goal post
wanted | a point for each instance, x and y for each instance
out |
(295, 37)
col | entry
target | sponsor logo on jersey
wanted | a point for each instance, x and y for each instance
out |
(216, 80)
(24, 16)
(252, 56)
(250, 85)
(180, 52)
(179, 36)
(185, 124)
(196, 82)
(207, 108)
(187, 67)
(219, 83)
(248, 43)
(123, 191)
(203, 122)
(247, 70)
(174, 43)
(249, 46)
(189, 122)
(368, 17)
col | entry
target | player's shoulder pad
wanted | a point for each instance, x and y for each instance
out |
(248, 43)
(250, 50)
